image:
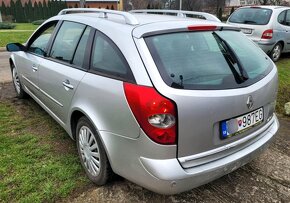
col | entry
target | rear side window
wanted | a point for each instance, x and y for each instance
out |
(281, 18)
(66, 41)
(287, 19)
(200, 60)
(108, 60)
(252, 16)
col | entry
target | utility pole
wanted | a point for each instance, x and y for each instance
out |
(180, 4)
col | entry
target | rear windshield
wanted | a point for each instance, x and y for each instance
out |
(208, 60)
(253, 16)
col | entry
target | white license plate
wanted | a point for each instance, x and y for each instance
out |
(246, 31)
(242, 123)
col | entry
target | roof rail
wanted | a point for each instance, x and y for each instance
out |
(129, 18)
(180, 13)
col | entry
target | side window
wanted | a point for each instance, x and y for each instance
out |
(287, 20)
(66, 41)
(80, 52)
(107, 59)
(281, 18)
(39, 44)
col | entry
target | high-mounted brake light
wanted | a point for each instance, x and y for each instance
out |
(155, 114)
(202, 27)
(267, 34)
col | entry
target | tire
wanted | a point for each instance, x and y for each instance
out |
(276, 52)
(96, 166)
(20, 93)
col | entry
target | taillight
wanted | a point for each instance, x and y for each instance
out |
(202, 27)
(267, 34)
(155, 114)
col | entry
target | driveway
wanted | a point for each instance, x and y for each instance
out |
(5, 75)
(265, 179)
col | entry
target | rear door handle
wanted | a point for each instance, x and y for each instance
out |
(67, 85)
(34, 68)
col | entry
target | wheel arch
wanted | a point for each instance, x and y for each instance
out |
(76, 114)
(11, 62)
(282, 43)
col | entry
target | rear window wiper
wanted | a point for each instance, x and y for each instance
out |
(233, 58)
(177, 85)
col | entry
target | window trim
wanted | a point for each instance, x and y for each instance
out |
(128, 78)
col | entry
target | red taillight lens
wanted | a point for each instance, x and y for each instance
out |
(155, 114)
(202, 27)
(267, 34)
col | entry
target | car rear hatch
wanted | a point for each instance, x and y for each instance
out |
(252, 21)
(219, 82)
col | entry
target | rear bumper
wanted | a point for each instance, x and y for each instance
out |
(168, 177)
(265, 46)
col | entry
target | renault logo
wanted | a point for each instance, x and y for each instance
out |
(250, 102)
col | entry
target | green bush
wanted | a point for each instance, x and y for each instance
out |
(38, 22)
(6, 26)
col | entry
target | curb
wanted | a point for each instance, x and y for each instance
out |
(2, 49)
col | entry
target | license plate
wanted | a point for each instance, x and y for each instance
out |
(246, 31)
(242, 123)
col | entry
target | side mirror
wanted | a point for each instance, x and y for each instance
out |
(11, 47)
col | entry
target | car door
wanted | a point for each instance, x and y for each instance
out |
(284, 28)
(28, 62)
(60, 75)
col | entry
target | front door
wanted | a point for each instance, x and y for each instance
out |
(60, 75)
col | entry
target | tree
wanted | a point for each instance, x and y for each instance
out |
(148, 6)
(29, 9)
(45, 10)
(220, 13)
(19, 14)
(40, 11)
(3, 9)
(112, 7)
(12, 9)
(35, 11)
(263, 2)
(232, 9)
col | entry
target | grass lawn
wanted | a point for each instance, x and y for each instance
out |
(20, 33)
(283, 66)
(25, 26)
(8, 37)
(38, 161)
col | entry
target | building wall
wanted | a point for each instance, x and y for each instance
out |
(94, 4)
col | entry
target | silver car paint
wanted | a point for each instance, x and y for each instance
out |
(131, 153)
(281, 33)
(198, 131)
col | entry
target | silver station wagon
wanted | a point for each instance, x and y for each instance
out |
(267, 26)
(167, 102)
